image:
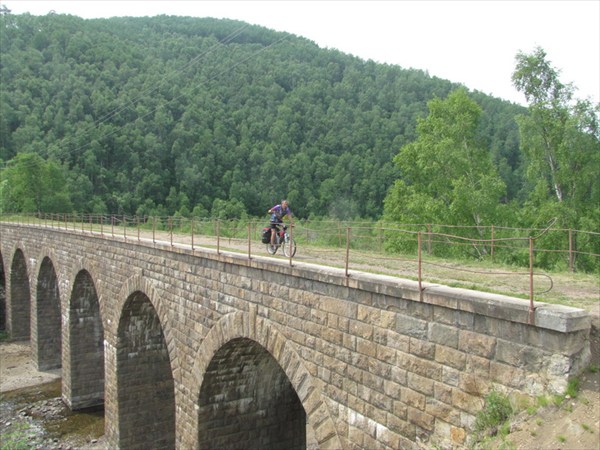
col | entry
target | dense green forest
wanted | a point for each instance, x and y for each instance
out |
(169, 114)
(206, 117)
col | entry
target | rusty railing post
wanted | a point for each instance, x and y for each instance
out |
(218, 237)
(249, 240)
(531, 308)
(154, 229)
(347, 250)
(571, 251)
(492, 249)
(290, 243)
(192, 233)
(419, 269)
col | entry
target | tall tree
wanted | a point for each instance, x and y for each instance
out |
(446, 176)
(561, 141)
(560, 138)
(30, 184)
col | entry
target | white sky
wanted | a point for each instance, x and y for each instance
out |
(468, 42)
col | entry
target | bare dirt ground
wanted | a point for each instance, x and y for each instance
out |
(30, 400)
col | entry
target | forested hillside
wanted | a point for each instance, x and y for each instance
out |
(170, 115)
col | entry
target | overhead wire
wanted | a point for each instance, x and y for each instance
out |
(152, 111)
(144, 94)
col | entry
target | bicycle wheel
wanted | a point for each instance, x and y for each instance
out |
(289, 248)
(272, 249)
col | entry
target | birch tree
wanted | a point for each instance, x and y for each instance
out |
(560, 136)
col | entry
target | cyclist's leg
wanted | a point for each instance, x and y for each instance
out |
(273, 232)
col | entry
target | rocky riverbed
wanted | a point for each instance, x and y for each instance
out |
(32, 413)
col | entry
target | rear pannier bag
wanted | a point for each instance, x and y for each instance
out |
(266, 235)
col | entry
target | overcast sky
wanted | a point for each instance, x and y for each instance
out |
(469, 42)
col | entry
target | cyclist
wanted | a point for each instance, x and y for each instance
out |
(278, 212)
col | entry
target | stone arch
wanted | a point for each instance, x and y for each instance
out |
(18, 305)
(44, 253)
(83, 337)
(140, 366)
(249, 333)
(92, 268)
(46, 320)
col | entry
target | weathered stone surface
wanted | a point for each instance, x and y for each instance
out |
(194, 347)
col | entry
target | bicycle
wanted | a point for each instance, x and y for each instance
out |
(282, 239)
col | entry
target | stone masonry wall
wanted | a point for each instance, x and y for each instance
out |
(373, 364)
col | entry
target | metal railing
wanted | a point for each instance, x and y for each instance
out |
(395, 249)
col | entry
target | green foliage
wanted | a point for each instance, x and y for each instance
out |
(573, 388)
(164, 115)
(30, 184)
(560, 138)
(446, 176)
(496, 411)
(16, 438)
(225, 210)
(203, 117)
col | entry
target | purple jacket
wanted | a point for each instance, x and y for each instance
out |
(278, 213)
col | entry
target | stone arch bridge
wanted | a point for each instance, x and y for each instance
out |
(193, 348)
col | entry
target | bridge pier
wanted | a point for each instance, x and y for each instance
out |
(83, 346)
